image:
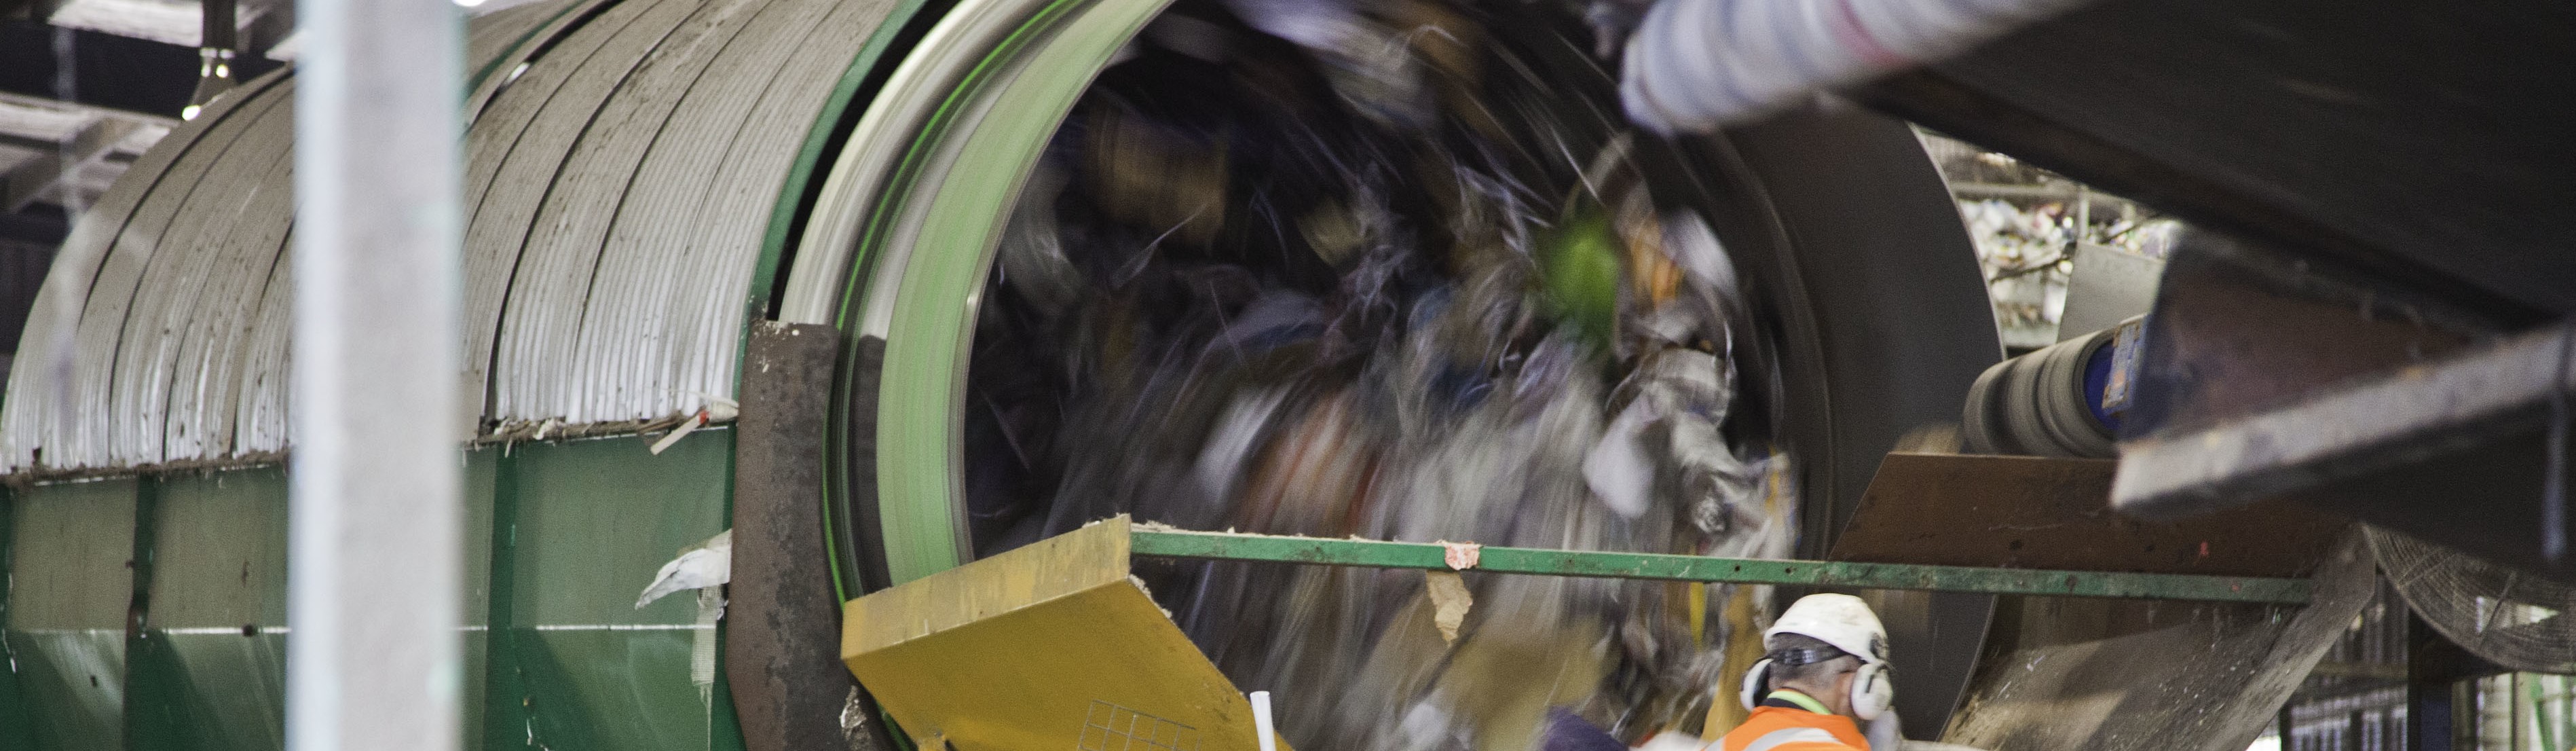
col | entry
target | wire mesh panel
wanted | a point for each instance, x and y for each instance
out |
(2508, 617)
(2133, 675)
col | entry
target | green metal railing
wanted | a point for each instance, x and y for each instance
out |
(1170, 543)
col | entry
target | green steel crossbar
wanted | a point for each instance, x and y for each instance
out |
(1171, 543)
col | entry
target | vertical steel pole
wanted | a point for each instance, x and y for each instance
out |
(374, 658)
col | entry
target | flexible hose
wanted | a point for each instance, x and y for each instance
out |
(1695, 65)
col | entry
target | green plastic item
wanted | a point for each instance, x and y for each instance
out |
(1580, 265)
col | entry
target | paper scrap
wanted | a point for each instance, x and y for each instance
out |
(1460, 555)
(680, 432)
(1449, 601)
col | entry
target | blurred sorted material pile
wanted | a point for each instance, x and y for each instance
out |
(2026, 223)
(1299, 267)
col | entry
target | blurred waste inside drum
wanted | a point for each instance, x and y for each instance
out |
(1392, 271)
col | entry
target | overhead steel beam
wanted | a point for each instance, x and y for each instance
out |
(2470, 452)
(65, 151)
(375, 513)
(2268, 376)
(1169, 543)
(244, 28)
(105, 70)
(2240, 327)
(18, 123)
(33, 177)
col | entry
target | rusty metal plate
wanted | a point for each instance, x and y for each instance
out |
(785, 633)
(2034, 512)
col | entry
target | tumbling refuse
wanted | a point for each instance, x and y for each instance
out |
(1396, 273)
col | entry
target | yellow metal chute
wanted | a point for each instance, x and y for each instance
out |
(1051, 646)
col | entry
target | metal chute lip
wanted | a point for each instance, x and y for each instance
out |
(890, 196)
(829, 271)
(830, 266)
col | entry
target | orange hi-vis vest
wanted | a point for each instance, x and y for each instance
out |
(1792, 728)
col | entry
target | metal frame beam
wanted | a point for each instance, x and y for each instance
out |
(108, 71)
(1172, 543)
(33, 177)
(2469, 451)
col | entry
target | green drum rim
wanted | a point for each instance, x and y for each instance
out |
(915, 269)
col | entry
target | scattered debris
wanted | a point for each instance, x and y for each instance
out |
(706, 564)
(1449, 600)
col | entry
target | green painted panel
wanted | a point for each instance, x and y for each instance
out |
(503, 721)
(481, 463)
(17, 727)
(569, 532)
(583, 527)
(604, 689)
(70, 550)
(75, 685)
(210, 670)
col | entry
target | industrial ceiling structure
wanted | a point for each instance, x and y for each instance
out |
(87, 86)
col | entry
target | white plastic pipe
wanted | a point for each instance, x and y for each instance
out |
(374, 516)
(1696, 65)
(1261, 720)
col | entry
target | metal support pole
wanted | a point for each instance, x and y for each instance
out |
(2437, 717)
(218, 39)
(374, 565)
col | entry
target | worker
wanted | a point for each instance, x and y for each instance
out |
(1825, 669)
(1824, 673)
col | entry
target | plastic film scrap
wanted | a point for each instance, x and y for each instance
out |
(1391, 270)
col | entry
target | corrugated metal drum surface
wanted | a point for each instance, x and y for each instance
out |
(623, 165)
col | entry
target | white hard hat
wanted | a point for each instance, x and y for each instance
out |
(1840, 620)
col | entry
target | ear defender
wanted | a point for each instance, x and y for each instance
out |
(1755, 680)
(1873, 689)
